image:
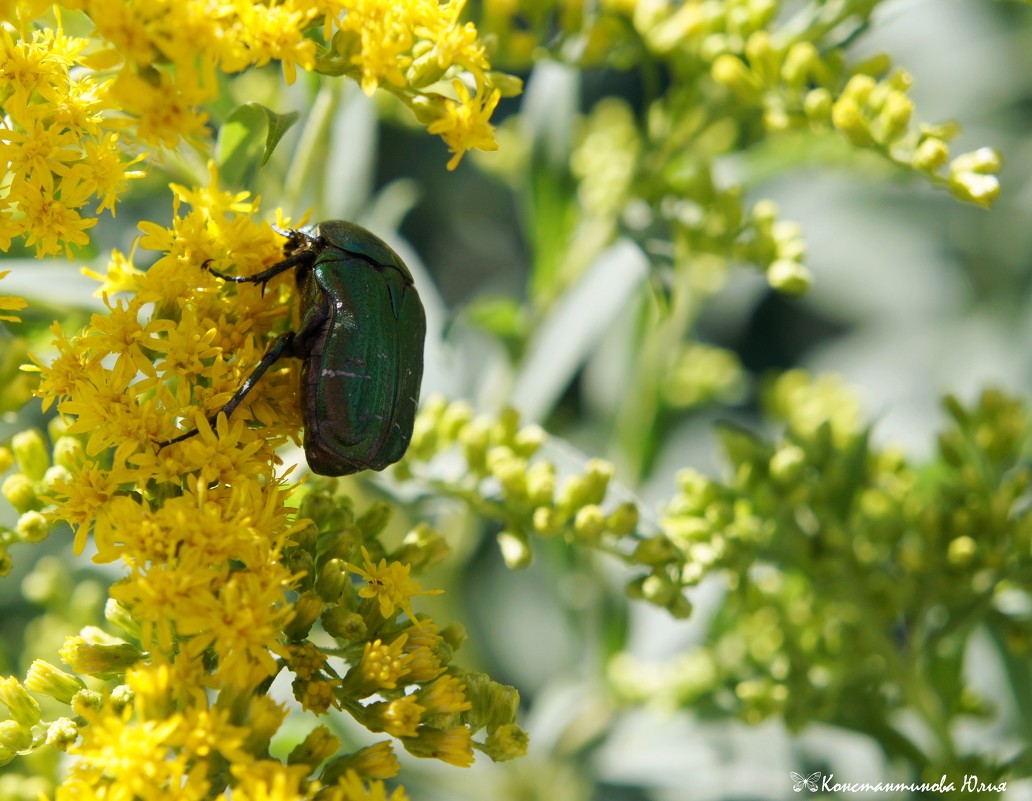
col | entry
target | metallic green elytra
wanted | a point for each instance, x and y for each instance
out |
(360, 340)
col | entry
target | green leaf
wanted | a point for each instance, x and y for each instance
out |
(247, 140)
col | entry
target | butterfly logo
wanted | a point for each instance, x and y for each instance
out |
(809, 782)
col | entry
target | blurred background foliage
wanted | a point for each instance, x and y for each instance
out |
(627, 271)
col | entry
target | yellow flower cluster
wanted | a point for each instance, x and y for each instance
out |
(10, 303)
(58, 148)
(79, 109)
(214, 554)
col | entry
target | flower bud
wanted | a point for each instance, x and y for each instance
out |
(86, 701)
(590, 523)
(453, 745)
(68, 453)
(31, 453)
(99, 658)
(14, 736)
(972, 187)
(789, 277)
(930, 155)
(62, 733)
(19, 491)
(332, 580)
(374, 520)
(848, 118)
(515, 549)
(343, 624)
(731, 71)
(318, 746)
(506, 742)
(623, 519)
(984, 161)
(22, 706)
(32, 527)
(46, 679)
(307, 609)
(817, 105)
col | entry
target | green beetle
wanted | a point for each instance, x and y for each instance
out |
(360, 340)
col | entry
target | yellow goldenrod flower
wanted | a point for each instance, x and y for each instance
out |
(10, 303)
(389, 585)
(464, 125)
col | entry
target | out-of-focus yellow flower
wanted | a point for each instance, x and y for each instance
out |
(464, 124)
(10, 303)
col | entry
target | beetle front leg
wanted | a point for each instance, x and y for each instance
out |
(291, 261)
(283, 345)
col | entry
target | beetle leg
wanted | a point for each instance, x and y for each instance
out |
(291, 261)
(283, 345)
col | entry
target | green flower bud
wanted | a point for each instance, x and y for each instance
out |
(373, 762)
(657, 550)
(56, 476)
(541, 483)
(972, 187)
(307, 609)
(847, 117)
(332, 580)
(895, 116)
(424, 71)
(105, 657)
(318, 746)
(307, 539)
(547, 521)
(764, 61)
(658, 590)
(456, 416)
(786, 464)
(506, 742)
(121, 697)
(22, 706)
(731, 71)
(817, 104)
(930, 155)
(590, 523)
(623, 519)
(301, 564)
(30, 451)
(984, 161)
(115, 612)
(87, 701)
(764, 213)
(510, 471)
(493, 704)
(46, 679)
(6, 561)
(859, 89)
(789, 277)
(6, 459)
(474, 439)
(529, 440)
(343, 624)
(375, 520)
(14, 736)
(800, 61)
(19, 491)
(68, 453)
(32, 527)
(62, 733)
(505, 427)
(515, 549)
